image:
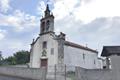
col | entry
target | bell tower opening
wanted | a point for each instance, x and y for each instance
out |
(42, 27)
(47, 22)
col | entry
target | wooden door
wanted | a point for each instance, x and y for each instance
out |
(44, 62)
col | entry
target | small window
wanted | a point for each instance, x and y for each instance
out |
(104, 67)
(44, 44)
(83, 56)
(52, 51)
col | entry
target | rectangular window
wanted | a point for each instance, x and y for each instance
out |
(44, 44)
(83, 56)
(94, 62)
(52, 51)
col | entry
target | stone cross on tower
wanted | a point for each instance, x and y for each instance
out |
(47, 22)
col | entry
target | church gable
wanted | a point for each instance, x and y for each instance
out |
(45, 47)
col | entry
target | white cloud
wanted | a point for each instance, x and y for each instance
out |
(85, 1)
(19, 20)
(97, 21)
(100, 32)
(96, 9)
(86, 10)
(41, 8)
(12, 46)
(63, 8)
(2, 34)
(4, 5)
(69, 18)
(17, 45)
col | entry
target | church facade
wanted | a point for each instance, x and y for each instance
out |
(50, 49)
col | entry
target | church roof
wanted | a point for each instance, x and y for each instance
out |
(68, 43)
(35, 41)
(79, 46)
(110, 50)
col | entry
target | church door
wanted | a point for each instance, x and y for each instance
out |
(44, 62)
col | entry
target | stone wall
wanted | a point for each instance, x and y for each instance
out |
(115, 64)
(94, 74)
(23, 73)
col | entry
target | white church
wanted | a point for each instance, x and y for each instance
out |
(50, 49)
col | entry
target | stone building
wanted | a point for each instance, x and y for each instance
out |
(108, 52)
(49, 49)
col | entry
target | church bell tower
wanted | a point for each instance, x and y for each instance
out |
(47, 22)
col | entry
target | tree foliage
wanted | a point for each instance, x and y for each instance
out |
(20, 57)
(1, 58)
(10, 60)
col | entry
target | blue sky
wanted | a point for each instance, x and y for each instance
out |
(92, 22)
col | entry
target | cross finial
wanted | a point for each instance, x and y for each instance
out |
(47, 8)
(47, 11)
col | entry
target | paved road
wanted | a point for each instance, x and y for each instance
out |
(4, 77)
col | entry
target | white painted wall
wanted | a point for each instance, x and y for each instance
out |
(74, 57)
(35, 55)
(37, 51)
(100, 63)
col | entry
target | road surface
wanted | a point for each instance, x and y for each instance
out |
(5, 77)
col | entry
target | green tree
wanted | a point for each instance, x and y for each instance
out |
(9, 61)
(22, 57)
(1, 58)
